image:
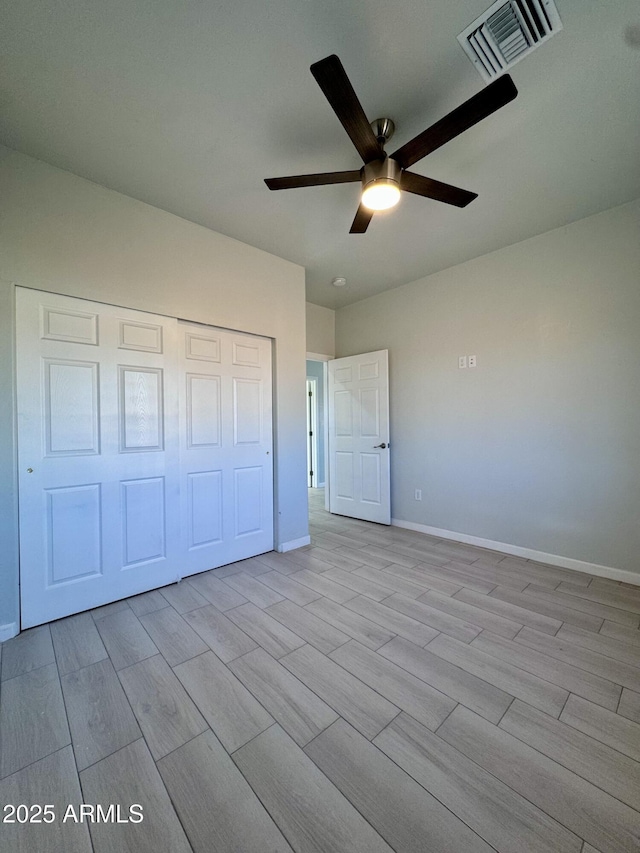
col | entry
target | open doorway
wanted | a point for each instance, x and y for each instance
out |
(316, 426)
(348, 435)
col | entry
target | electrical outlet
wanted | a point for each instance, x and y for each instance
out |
(472, 361)
(418, 495)
(462, 361)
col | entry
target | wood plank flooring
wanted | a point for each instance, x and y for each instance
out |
(378, 690)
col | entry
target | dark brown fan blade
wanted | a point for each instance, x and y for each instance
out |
(333, 80)
(362, 220)
(420, 185)
(318, 180)
(496, 95)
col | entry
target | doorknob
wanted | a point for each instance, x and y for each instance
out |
(383, 445)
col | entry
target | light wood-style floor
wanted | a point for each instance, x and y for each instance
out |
(379, 690)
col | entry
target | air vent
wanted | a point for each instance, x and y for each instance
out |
(507, 32)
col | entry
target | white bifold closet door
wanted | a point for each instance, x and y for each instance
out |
(226, 440)
(144, 451)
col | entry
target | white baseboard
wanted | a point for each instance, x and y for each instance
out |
(293, 544)
(8, 631)
(527, 553)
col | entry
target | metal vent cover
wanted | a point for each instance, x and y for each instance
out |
(507, 32)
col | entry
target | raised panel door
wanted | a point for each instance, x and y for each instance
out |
(226, 446)
(98, 453)
(358, 417)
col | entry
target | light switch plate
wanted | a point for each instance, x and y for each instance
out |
(462, 361)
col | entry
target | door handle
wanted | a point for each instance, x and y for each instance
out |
(383, 446)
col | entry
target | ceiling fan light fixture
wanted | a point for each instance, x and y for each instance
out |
(385, 177)
(381, 195)
(381, 184)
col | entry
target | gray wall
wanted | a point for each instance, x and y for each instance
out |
(321, 330)
(64, 234)
(315, 370)
(539, 445)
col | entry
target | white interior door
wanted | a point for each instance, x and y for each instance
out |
(358, 418)
(144, 451)
(226, 446)
(97, 453)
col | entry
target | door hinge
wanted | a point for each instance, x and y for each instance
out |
(311, 393)
(310, 433)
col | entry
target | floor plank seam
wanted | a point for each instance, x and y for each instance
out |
(84, 798)
(519, 794)
(326, 700)
(402, 770)
(560, 764)
(20, 674)
(435, 731)
(505, 712)
(432, 794)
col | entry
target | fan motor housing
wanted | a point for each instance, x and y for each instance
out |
(381, 170)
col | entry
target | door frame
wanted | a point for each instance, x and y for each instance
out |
(312, 431)
(325, 358)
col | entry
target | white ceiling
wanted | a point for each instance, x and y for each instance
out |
(189, 104)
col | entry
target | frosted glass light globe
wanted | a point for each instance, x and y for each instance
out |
(381, 195)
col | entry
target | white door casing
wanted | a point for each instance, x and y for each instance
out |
(103, 456)
(358, 418)
(312, 432)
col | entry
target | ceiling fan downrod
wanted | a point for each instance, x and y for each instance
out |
(383, 130)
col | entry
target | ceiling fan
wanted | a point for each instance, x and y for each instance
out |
(383, 176)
